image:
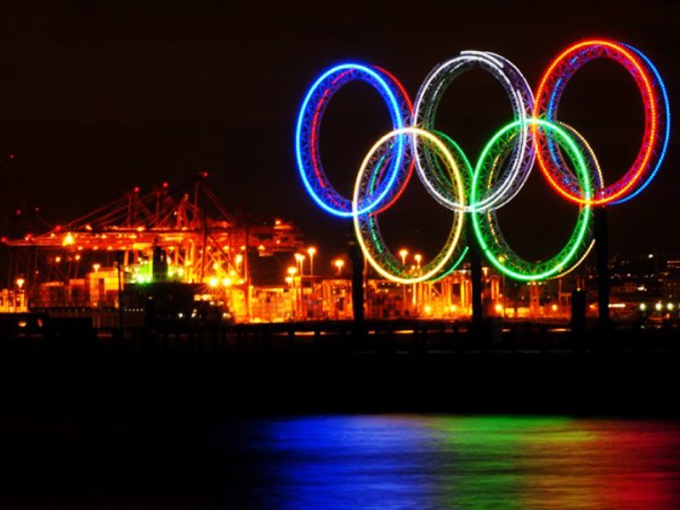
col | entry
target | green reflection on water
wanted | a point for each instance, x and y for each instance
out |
(494, 460)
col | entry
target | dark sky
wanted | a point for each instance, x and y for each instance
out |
(97, 97)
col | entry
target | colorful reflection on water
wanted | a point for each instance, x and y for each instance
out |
(410, 462)
(340, 462)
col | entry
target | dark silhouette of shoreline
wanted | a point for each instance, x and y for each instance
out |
(292, 369)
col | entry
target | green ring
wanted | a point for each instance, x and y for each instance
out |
(486, 226)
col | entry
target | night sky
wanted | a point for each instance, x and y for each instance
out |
(98, 97)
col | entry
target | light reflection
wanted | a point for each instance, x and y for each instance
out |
(470, 462)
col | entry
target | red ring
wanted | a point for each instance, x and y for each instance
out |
(558, 73)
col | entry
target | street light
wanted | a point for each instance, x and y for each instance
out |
(339, 263)
(402, 253)
(417, 287)
(292, 271)
(311, 250)
(300, 258)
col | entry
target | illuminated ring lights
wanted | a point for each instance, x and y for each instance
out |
(565, 158)
(522, 102)
(664, 125)
(485, 224)
(309, 125)
(656, 110)
(440, 175)
(366, 225)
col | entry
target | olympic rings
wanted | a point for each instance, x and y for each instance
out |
(656, 108)
(366, 225)
(309, 124)
(501, 170)
(486, 228)
(521, 99)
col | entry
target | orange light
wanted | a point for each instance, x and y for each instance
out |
(339, 264)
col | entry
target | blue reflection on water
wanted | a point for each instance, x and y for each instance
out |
(352, 462)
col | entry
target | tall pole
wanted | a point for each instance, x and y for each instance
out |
(475, 276)
(357, 283)
(119, 262)
(602, 255)
(403, 253)
(311, 251)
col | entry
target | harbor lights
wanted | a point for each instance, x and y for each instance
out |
(403, 253)
(339, 264)
(417, 288)
(311, 251)
(300, 259)
(292, 271)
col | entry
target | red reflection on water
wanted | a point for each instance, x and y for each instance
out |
(604, 464)
(641, 469)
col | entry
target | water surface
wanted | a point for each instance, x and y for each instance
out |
(341, 462)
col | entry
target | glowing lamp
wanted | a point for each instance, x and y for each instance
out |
(339, 264)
